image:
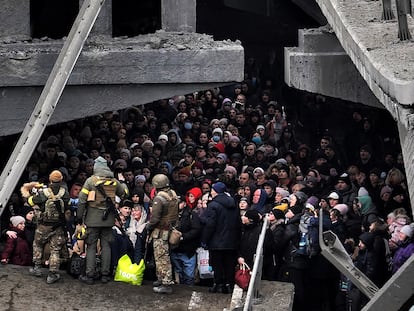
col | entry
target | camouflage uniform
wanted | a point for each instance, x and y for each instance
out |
(164, 215)
(49, 232)
(91, 209)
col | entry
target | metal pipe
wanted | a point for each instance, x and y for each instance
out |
(256, 276)
(48, 99)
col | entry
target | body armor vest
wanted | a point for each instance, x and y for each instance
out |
(109, 186)
(169, 215)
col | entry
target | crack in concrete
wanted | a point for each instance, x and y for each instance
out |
(10, 302)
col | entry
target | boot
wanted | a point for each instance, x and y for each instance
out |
(226, 289)
(105, 279)
(156, 283)
(163, 289)
(216, 288)
(36, 270)
(86, 279)
(52, 277)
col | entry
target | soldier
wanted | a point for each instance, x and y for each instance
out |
(96, 211)
(163, 217)
(53, 202)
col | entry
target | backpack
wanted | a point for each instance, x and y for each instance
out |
(54, 206)
(304, 247)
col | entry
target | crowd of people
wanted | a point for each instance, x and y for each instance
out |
(228, 158)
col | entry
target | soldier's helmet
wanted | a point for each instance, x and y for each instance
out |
(160, 181)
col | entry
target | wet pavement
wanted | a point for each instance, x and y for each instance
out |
(21, 291)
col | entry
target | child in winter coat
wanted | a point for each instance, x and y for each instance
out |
(17, 250)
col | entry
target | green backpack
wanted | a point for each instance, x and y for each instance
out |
(54, 206)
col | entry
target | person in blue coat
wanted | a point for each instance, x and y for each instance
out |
(221, 236)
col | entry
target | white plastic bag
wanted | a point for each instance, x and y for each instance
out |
(204, 268)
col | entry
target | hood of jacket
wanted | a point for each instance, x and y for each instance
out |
(225, 200)
(366, 204)
(196, 192)
(175, 131)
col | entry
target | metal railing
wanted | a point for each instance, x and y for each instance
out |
(256, 276)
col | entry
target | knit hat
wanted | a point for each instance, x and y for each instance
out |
(185, 171)
(407, 230)
(139, 178)
(253, 215)
(56, 176)
(282, 206)
(278, 213)
(117, 162)
(260, 127)
(345, 178)
(219, 187)
(198, 164)
(126, 151)
(234, 138)
(313, 200)
(271, 183)
(244, 199)
(230, 169)
(342, 208)
(222, 156)
(301, 196)
(284, 193)
(15, 220)
(218, 131)
(226, 100)
(133, 145)
(384, 190)
(362, 191)
(26, 209)
(259, 171)
(281, 161)
(163, 136)
(368, 239)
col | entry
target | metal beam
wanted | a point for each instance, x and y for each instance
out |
(394, 293)
(334, 251)
(48, 99)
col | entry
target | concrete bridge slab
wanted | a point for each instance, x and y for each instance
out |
(320, 65)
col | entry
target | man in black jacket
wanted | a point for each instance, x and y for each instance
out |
(221, 236)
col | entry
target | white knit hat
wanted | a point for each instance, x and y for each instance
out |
(407, 230)
(15, 220)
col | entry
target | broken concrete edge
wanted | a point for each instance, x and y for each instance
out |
(397, 90)
(167, 58)
(158, 40)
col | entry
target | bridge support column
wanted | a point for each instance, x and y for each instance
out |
(178, 15)
(15, 17)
